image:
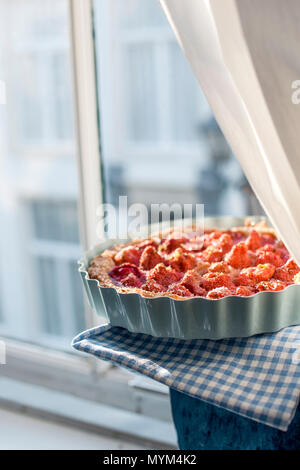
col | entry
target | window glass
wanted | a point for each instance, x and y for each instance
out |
(54, 220)
(159, 140)
(41, 299)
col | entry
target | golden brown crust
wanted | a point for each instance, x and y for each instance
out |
(100, 267)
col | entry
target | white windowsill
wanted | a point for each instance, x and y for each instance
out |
(23, 432)
(86, 415)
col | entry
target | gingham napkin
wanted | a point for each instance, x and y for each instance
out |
(257, 377)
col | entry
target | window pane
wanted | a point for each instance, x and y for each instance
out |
(51, 322)
(134, 13)
(55, 220)
(41, 297)
(160, 142)
(140, 92)
(187, 104)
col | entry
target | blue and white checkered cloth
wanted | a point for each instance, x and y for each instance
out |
(257, 377)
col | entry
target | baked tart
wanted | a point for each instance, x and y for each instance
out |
(240, 261)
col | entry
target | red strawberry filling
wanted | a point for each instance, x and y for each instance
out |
(119, 273)
(213, 265)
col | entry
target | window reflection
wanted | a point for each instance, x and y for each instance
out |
(160, 142)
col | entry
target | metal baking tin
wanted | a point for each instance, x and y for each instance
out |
(195, 318)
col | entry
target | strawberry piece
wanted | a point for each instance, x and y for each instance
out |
(272, 285)
(218, 248)
(131, 281)
(220, 267)
(182, 261)
(237, 237)
(164, 275)
(251, 276)
(270, 254)
(225, 243)
(253, 241)
(170, 244)
(269, 257)
(267, 239)
(121, 272)
(129, 254)
(287, 272)
(191, 280)
(212, 236)
(201, 266)
(238, 256)
(153, 286)
(212, 254)
(245, 291)
(150, 258)
(211, 281)
(219, 292)
(180, 290)
(145, 243)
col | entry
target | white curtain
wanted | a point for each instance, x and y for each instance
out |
(245, 54)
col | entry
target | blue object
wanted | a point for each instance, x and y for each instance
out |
(200, 425)
(257, 377)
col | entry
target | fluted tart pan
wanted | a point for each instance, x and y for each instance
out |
(196, 317)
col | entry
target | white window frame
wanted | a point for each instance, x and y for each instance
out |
(87, 128)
